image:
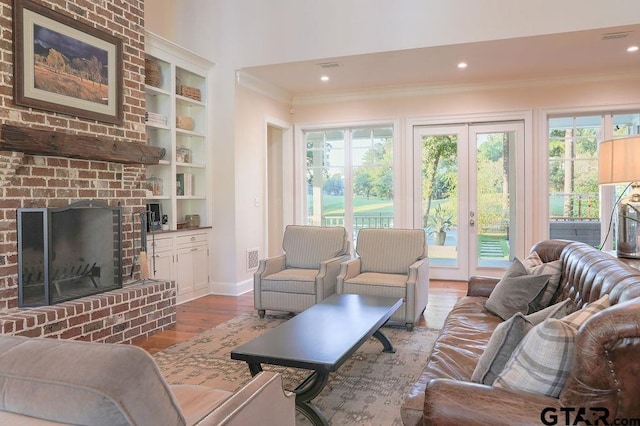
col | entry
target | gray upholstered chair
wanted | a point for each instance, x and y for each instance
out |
(48, 382)
(305, 274)
(390, 262)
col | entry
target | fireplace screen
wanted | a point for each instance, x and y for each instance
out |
(68, 252)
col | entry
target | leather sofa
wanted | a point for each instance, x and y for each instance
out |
(603, 376)
(48, 381)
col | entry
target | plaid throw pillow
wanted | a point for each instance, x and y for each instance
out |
(541, 362)
(578, 318)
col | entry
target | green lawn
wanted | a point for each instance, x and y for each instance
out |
(334, 205)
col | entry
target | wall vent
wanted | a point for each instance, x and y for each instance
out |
(253, 259)
(615, 36)
(328, 65)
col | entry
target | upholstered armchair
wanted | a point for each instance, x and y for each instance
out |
(305, 274)
(390, 262)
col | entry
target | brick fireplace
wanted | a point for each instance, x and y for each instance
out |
(43, 181)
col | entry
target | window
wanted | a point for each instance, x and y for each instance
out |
(576, 209)
(349, 177)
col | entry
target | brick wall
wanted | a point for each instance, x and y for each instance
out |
(119, 316)
(38, 181)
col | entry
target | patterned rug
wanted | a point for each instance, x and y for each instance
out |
(368, 389)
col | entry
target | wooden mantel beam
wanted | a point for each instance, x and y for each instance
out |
(60, 144)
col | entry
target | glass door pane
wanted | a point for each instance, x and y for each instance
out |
(372, 177)
(493, 218)
(349, 178)
(467, 197)
(325, 178)
(439, 190)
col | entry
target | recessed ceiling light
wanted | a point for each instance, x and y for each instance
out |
(324, 78)
(632, 48)
(462, 65)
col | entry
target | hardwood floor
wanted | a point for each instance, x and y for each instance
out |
(198, 315)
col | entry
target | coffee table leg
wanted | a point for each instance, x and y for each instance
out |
(306, 391)
(254, 368)
(388, 347)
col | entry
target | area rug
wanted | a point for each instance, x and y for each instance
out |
(368, 389)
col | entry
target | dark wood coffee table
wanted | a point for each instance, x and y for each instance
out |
(320, 339)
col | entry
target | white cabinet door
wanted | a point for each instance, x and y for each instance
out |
(161, 265)
(184, 269)
(200, 267)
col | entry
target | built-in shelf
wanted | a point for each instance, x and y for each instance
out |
(181, 73)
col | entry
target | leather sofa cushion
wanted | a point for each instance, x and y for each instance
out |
(456, 352)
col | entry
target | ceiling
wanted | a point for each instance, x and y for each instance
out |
(593, 52)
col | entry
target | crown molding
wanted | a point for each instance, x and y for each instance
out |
(435, 89)
(264, 88)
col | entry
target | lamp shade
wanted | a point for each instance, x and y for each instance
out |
(619, 161)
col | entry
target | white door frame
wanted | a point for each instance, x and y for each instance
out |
(288, 186)
(525, 168)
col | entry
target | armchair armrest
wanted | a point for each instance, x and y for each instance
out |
(263, 400)
(417, 288)
(452, 402)
(271, 265)
(326, 280)
(348, 270)
(266, 267)
(481, 286)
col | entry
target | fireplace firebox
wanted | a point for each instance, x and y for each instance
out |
(68, 252)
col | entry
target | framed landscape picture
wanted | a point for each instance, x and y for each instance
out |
(65, 66)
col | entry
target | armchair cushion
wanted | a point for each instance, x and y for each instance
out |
(390, 251)
(307, 246)
(374, 278)
(304, 280)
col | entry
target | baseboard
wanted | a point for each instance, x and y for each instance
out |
(231, 289)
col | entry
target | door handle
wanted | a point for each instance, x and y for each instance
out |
(472, 222)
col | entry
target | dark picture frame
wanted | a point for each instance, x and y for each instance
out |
(62, 65)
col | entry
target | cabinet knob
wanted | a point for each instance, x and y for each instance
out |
(193, 238)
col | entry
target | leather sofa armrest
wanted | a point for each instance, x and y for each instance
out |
(481, 286)
(263, 400)
(452, 402)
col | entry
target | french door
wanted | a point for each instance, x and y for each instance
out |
(468, 196)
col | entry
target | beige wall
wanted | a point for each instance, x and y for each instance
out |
(252, 111)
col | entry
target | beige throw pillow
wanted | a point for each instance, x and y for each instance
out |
(517, 294)
(535, 266)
